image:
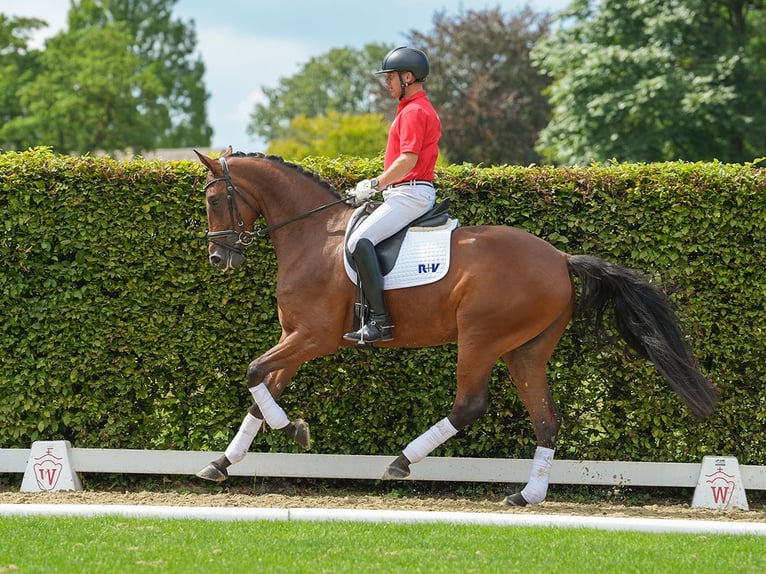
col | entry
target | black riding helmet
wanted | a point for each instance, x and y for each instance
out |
(405, 59)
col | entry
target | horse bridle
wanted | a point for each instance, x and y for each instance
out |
(237, 229)
(244, 237)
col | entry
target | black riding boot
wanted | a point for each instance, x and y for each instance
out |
(379, 327)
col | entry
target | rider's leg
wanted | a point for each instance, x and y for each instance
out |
(401, 206)
(378, 327)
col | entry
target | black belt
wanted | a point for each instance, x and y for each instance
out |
(412, 182)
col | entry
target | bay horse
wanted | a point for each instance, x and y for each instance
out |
(508, 294)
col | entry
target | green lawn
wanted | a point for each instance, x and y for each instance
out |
(114, 544)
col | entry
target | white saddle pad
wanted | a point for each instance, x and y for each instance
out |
(424, 257)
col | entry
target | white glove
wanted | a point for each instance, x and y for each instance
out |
(363, 192)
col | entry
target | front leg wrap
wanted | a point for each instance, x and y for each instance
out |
(241, 442)
(275, 417)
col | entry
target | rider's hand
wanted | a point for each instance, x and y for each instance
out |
(362, 192)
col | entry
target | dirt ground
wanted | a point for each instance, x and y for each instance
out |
(345, 499)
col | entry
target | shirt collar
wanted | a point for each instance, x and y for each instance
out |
(412, 98)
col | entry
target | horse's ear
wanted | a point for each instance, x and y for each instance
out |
(207, 162)
(227, 152)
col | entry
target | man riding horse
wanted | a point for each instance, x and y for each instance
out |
(406, 182)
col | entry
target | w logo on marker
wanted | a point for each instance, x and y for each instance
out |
(47, 469)
(721, 494)
(721, 486)
(427, 267)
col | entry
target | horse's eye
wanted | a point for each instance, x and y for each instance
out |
(214, 201)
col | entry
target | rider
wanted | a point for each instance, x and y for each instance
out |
(406, 181)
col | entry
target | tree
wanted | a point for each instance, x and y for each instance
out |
(87, 96)
(340, 81)
(166, 50)
(331, 135)
(18, 65)
(488, 95)
(482, 84)
(652, 81)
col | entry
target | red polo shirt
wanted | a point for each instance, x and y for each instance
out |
(416, 129)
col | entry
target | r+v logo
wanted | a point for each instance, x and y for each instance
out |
(428, 267)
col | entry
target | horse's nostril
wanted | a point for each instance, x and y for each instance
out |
(215, 260)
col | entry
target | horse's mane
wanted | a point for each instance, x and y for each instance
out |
(299, 168)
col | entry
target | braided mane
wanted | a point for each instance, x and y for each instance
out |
(299, 168)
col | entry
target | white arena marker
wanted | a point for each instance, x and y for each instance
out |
(48, 468)
(719, 485)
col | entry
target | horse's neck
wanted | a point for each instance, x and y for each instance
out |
(285, 196)
(317, 236)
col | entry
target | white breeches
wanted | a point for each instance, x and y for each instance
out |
(401, 205)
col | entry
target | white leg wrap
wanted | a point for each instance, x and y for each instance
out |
(272, 412)
(241, 442)
(419, 448)
(537, 487)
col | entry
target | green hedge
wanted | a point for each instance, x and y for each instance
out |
(115, 332)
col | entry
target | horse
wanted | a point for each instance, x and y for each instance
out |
(507, 295)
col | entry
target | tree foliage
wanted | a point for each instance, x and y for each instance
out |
(87, 95)
(18, 64)
(488, 95)
(166, 48)
(123, 75)
(653, 81)
(339, 81)
(332, 135)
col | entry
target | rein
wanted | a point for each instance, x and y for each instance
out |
(238, 230)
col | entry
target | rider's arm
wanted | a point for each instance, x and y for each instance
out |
(398, 169)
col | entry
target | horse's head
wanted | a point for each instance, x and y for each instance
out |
(230, 215)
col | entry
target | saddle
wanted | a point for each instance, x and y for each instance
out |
(388, 249)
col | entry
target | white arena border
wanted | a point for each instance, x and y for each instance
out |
(653, 525)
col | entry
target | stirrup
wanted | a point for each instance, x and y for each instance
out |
(376, 330)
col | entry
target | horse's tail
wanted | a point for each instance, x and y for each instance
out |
(645, 319)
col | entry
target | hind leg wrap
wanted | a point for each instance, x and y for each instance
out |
(419, 448)
(272, 412)
(537, 487)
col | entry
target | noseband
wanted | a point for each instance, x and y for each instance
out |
(237, 226)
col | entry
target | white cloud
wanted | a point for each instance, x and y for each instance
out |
(54, 12)
(237, 66)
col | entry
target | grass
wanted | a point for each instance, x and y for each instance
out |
(112, 544)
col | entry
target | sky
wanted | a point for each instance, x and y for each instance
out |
(248, 44)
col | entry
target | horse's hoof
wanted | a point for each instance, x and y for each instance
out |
(515, 500)
(397, 470)
(213, 474)
(394, 473)
(302, 434)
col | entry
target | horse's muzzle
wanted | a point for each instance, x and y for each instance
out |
(225, 258)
